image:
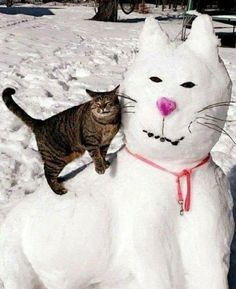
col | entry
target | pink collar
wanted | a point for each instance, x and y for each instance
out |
(184, 204)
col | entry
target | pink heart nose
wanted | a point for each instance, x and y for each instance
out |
(166, 106)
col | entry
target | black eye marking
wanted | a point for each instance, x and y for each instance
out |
(188, 84)
(155, 79)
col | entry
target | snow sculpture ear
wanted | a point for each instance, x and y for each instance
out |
(202, 39)
(153, 38)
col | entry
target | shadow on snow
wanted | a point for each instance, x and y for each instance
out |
(232, 272)
(31, 11)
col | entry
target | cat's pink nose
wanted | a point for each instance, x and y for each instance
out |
(166, 106)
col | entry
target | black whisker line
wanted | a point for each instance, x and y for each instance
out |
(198, 117)
(190, 126)
(213, 106)
(221, 102)
(128, 103)
(125, 94)
(128, 111)
(216, 128)
(202, 117)
(126, 106)
(220, 119)
(222, 130)
(126, 97)
(206, 118)
(209, 126)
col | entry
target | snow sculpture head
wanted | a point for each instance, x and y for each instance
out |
(176, 89)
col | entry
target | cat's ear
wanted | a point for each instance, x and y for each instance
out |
(202, 39)
(92, 93)
(115, 91)
(153, 38)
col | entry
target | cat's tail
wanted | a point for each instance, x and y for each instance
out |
(16, 109)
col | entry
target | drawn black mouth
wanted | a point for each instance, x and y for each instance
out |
(163, 139)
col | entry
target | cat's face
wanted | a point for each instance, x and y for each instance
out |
(105, 106)
(176, 89)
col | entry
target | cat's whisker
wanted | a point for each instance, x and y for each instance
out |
(220, 119)
(126, 97)
(128, 103)
(127, 106)
(227, 101)
(222, 102)
(219, 104)
(207, 118)
(225, 105)
(223, 131)
(209, 126)
(217, 128)
(201, 117)
(189, 126)
(193, 121)
(128, 111)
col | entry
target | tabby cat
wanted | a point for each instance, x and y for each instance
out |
(67, 135)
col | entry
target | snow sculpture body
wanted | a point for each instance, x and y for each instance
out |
(124, 229)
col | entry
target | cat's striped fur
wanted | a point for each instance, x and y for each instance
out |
(67, 135)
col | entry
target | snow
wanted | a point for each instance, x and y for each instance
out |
(51, 60)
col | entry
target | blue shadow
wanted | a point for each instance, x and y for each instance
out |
(31, 11)
(232, 271)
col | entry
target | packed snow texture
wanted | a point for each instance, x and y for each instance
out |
(51, 60)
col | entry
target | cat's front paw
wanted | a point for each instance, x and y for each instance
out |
(100, 170)
(60, 190)
(107, 164)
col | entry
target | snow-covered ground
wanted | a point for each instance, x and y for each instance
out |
(51, 54)
(51, 60)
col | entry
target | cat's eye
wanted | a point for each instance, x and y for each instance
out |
(155, 79)
(188, 84)
(97, 100)
(108, 105)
